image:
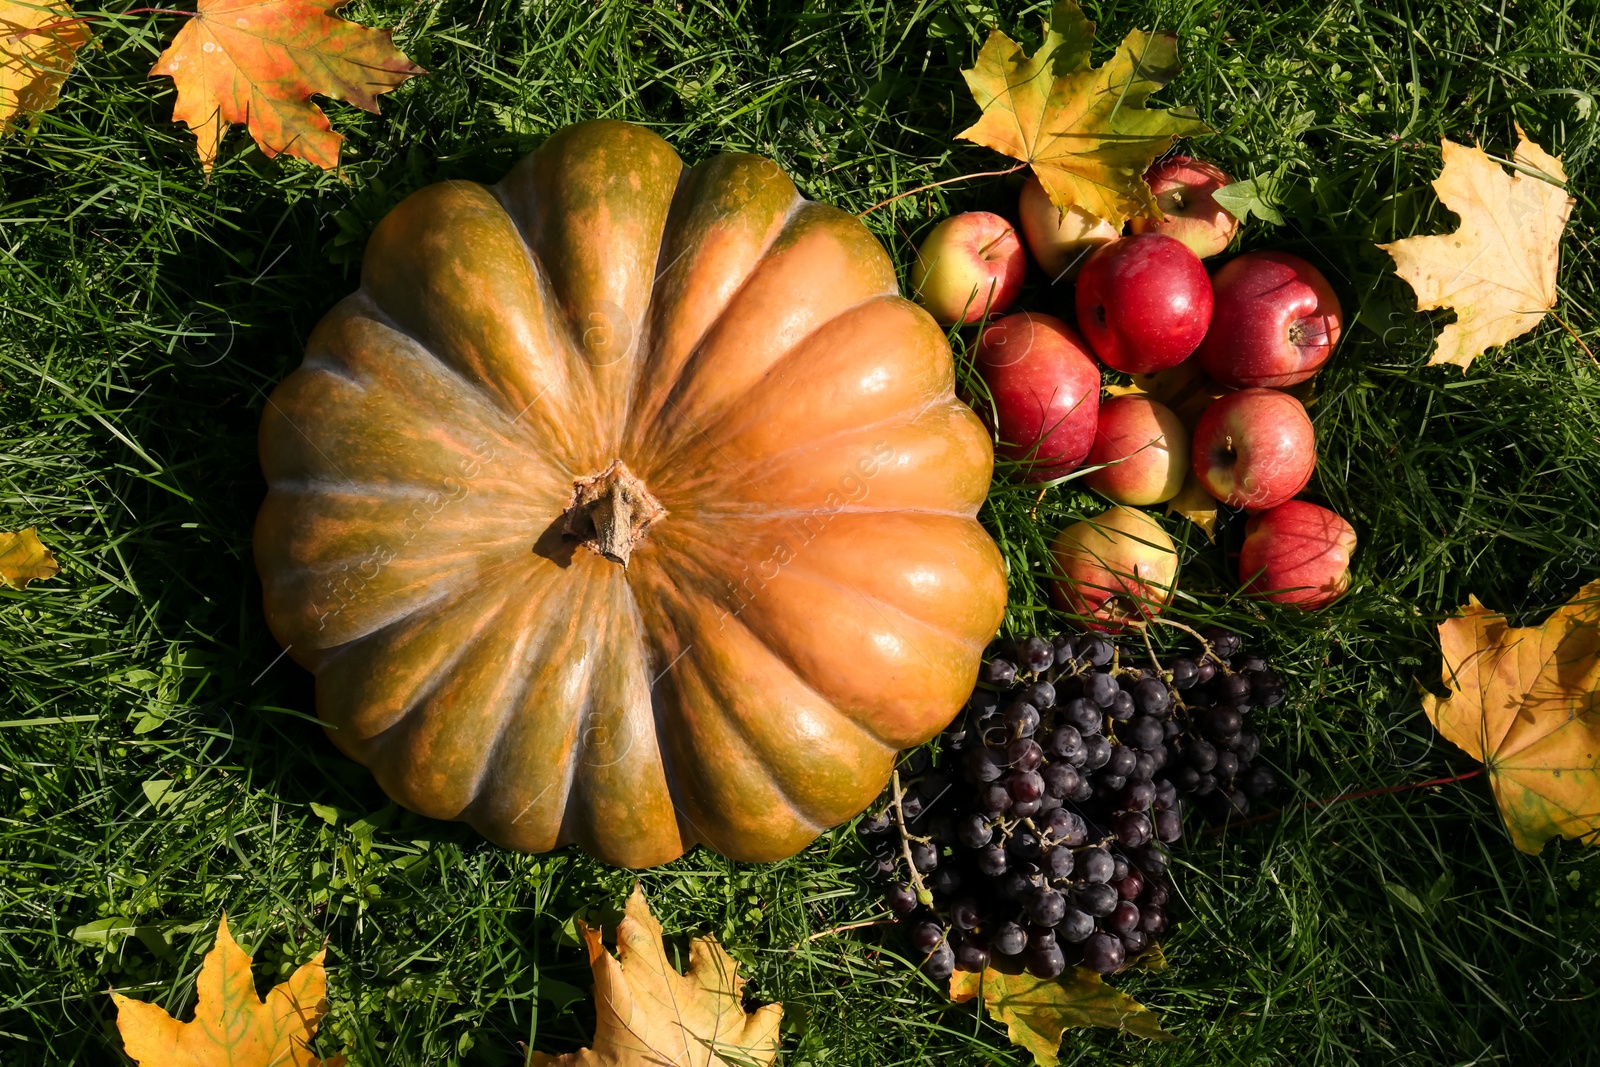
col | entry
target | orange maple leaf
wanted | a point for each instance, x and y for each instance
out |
(232, 1027)
(258, 62)
(1526, 702)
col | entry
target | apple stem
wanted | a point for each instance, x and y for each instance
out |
(935, 185)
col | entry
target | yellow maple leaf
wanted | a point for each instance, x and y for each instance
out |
(1038, 1011)
(1085, 130)
(232, 1027)
(1498, 271)
(258, 62)
(649, 1015)
(24, 559)
(34, 62)
(1526, 702)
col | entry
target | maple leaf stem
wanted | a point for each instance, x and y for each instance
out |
(1575, 337)
(1342, 797)
(47, 27)
(935, 185)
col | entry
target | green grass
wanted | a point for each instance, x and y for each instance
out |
(158, 764)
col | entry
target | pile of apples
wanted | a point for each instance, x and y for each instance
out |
(1145, 303)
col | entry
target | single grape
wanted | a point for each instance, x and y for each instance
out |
(926, 936)
(1222, 720)
(912, 805)
(1231, 689)
(1096, 752)
(1249, 747)
(1024, 754)
(1186, 779)
(1083, 793)
(998, 672)
(1138, 796)
(900, 898)
(1184, 672)
(1009, 940)
(1025, 785)
(994, 799)
(992, 861)
(1046, 907)
(1067, 827)
(1060, 779)
(1065, 742)
(1202, 756)
(1227, 766)
(1035, 654)
(1124, 917)
(1130, 885)
(1144, 732)
(1156, 893)
(1171, 728)
(1251, 663)
(915, 762)
(946, 881)
(1024, 844)
(1121, 761)
(1021, 718)
(1222, 642)
(1095, 865)
(1152, 859)
(940, 964)
(1166, 793)
(1268, 689)
(983, 765)
(1122, 707)
(1083, 715)
(972, 956)
(1014, 885)
(1152, 920)
(1259, 783)
(983, 703)
(1151, 696)
(1066, 647)
(1168, 824)
(1103, 953)
(874, 825)
(1133, 943)
(1131, 828)
(1040, 694)
(1023, 809)
(1238, 804)
(1095, 651)
(1107, 783)
(924, 856)
(1046, 961)
(1101, 689)
(1150, 762)
(1075, 925)
(1204, 671)
(1205, 786)
(964, 914)
(1058, 863)
(933, 785)
(974, 831)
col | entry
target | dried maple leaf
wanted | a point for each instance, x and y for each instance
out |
(258, 62)
(1526, 702)
(232, 1027)
(1498, 271)
(24, 559)
(1085, 130)
(1037, 1011)
(34, 62)
(649, 1015)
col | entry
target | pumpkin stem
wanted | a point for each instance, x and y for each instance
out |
(612, 511)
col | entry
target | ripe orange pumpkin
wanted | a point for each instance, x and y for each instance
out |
(628, 505)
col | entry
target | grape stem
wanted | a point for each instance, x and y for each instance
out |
(1342, 797)
(1192, 632)
(924, 897)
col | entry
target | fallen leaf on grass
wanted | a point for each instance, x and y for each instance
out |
(1498, 271)
(232, 1027)
(34, 63)
(1085, 130)
(1188, 392)
(24, 559)
(259, 61)
(649, 1015)
(1526, 702)
(1037, 1011)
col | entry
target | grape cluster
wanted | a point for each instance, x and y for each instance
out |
(1042, 833)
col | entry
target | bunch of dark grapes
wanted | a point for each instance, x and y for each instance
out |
(1040, 839)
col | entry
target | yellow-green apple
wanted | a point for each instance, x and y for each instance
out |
(971, 265)
(1115, 568)
(1045, 389)
(1275, 321)
(1183, 186)
(1297, 553)
(1254, 449)
(1059, 240)
(1142, 450)
(1143, 303)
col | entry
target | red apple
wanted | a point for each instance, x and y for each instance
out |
(1298, 554)
(1144, 448)
(1143, 303)
(1046, 392)
(1254, 449)
(1275, 322)
(1059, 240)
(971, 265)
(1115, 568)
(1183, 188)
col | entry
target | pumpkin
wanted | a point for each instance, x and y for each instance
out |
(628, 505)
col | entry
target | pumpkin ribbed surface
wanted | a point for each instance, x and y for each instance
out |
(628, 505)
